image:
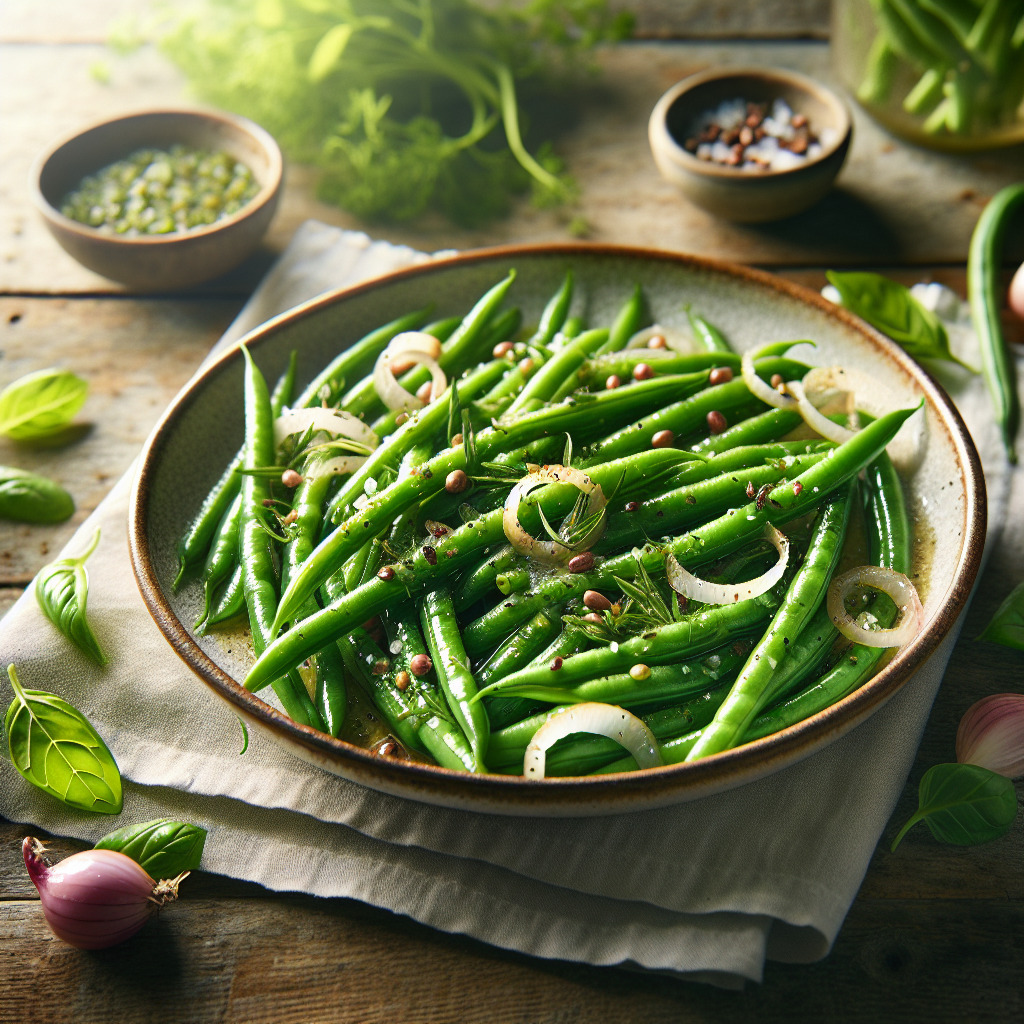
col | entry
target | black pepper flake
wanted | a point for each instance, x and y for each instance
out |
(430, 555)
(691, 499)
(660, 513)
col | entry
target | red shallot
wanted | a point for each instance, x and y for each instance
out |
(96, 898)
(991, 734)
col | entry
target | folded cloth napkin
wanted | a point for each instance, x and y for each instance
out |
(706, 890)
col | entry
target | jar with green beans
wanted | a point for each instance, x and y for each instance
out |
(158, 192)
(948, 74)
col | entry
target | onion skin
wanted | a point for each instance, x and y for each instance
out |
(96, 898)
(991, 735)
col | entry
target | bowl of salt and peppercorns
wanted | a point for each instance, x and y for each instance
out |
(750, 144)
(162, 199)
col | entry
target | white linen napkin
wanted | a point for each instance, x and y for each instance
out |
(705, 890)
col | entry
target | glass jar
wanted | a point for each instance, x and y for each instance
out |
(948, 74)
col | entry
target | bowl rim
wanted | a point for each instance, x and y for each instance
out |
(220, 118)
(613, 793)
(659, 133)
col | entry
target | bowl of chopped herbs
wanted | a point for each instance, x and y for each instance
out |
(161, 199)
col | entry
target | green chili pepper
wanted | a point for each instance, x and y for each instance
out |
(28, 498)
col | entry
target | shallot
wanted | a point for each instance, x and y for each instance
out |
(991, 734)
(96, 898)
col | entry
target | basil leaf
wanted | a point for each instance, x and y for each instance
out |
(891, 308)
(29, 498)
(55, 748)
(964, 804)
(62, 588)
(40, 403)
(164, 848)
(1007, 625)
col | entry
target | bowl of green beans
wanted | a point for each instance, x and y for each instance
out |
(161, 199)
(552, 530)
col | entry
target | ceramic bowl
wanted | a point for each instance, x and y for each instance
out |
(731, 193)
(161, 262)
(203, 429)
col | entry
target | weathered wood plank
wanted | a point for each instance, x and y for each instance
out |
(894, 203)
(136, 355)
(299, 959)
(71, 21)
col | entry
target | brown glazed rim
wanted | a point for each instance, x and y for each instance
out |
(792, 78)
(220, 119)
(602, 794)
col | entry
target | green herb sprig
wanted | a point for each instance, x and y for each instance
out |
(405, 105)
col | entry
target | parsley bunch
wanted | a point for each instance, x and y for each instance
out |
(405, 105)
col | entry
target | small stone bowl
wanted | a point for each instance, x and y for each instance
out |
(178, 259)
(747, 196)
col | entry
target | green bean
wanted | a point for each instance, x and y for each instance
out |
(222, 557)
(627, 323)
(255, 554)
(501, 328)
(357, 360)
(369, 665)
(458, 352)
(521, 646)
(572, 328)
(879, 72)
(554, 314)
(696, 634)
(687, 415)
(582, 754)
(331, 696)
(451, 663)
(674, 510)
(596, 415)
(719, 537)
(668, 683)
(707, 334)
(806, 592)
(437, 729)
(230, 603)
(984, 292)
(889, 535)
(542, 385)
(594, 372)
(478, 581)
(760, 429)
(429, 564)
(193, 546)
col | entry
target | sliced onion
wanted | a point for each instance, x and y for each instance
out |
(870, 395)
(814, 419)
(675, 340)
(331, 421)
(599, 719)
(888, 581)
(415, 341)
(759, 389)
(685, 583)
(409, 349)
(334, 467)
(548, 551)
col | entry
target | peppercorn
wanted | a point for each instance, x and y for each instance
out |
(613, 382)
(583, 562)
(642, 371)
(596, 601)
(663, 439)
(420, 664)
(290, 478)
(456, 481)
(717, 422)
(720, 375)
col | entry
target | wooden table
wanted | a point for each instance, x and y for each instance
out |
(936, 932)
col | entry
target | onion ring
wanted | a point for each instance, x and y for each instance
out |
(599, 719)
(675, 340)
(685, 583)
(759, 389)
(391, 393)
(876, 398)
(550, 552)
(330, 421)
(888, 581)
(814, 419)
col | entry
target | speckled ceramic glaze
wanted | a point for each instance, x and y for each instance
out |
(203, 429)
